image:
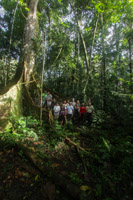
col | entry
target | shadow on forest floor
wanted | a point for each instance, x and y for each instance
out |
(61, 163)
(21, 180)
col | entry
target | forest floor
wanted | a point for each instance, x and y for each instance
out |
(65, 163)
(20, 179)
(17, 176)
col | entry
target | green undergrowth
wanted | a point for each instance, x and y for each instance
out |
(111, 165)
(110, 162)
(107, 169)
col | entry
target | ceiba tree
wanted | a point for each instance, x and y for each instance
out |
(26, 65)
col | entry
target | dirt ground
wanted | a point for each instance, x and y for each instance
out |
(20, 180)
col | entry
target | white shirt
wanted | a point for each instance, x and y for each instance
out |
(90, 109)
(56, 110)
(70, 109)
(48, 97)
(73, 103)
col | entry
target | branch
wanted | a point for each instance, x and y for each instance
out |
(77, 146)
(23, 13)
(57, 56)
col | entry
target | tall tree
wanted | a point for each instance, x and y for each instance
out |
(27, 60)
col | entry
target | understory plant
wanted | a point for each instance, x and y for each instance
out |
(23, 127)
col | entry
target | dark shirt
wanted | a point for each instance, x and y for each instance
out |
(76, 111)
(62, 112)
(53, 104)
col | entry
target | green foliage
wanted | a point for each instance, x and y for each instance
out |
(56, 129)
(21, 127)
(65, 67)
(75, 178)
(59, 1)
(111, 163)
(4, 68)
(98, 118)
(9, 138)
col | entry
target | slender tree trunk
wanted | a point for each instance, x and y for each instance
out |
(103, 70)
(130, 65)
(79, 65)
(87, 58)
(117, 36)
(93, 40)
(73, 70)
(42, 77)
(85, 49)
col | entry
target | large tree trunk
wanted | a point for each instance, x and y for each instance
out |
(30, 34)
(28, 57)
(11, 95)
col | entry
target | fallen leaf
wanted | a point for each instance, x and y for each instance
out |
(9, 151)
(25, 174)
(55, 165)
(85, 188)
(36, 177)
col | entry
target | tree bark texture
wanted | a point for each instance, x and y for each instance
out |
(30, 34)
(25, 67)
(27, 57)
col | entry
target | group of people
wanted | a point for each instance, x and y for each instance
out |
(69, 110)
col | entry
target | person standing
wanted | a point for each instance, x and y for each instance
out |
(49, 100)
(68, 102)
(90, 110)
(65, 104)
(89, 101)
(82, 113)
(52, 105)
(70, 110)
(56, 111)
(76, 115)
(62, 115)
(78, 105)
(73, 102)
